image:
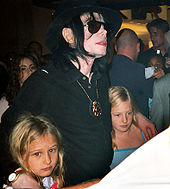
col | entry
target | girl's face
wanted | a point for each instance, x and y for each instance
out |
(156, 62)
(96, 43)
(27, 67)
(43, 155)
(122, 116)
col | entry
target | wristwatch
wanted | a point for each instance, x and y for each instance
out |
(14, 176)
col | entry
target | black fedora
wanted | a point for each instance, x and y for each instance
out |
(71, 8)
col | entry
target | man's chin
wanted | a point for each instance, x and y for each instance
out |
(100, 55)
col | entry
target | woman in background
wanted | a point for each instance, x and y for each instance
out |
(21, 69)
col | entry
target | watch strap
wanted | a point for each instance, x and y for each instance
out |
(14, 176)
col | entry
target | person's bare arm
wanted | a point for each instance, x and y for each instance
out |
(147, 126)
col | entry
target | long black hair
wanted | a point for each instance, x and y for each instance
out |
(65, 54)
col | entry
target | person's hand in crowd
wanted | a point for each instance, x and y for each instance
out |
(147, 127)
(158, 73)
(167, 63)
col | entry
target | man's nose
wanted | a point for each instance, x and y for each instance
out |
(103, 30)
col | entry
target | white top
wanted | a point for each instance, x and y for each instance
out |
(147, 168)
(48, 182)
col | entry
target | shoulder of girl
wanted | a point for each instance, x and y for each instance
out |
(25, 181)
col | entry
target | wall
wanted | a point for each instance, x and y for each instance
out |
(20, 23)
(42, 17)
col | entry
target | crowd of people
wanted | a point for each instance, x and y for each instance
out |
(70, 117)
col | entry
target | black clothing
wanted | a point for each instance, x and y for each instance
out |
(127, 73)
(86, 138)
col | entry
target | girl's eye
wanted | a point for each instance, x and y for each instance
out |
(129, 113)
(52, 150)
(23, 69)
(32, 68)
(37, 154)
(117, 115)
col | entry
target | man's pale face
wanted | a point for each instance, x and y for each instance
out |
(96, 43)
(157, 37)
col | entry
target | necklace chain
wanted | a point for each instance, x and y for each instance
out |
(94, 106)
(97, 92)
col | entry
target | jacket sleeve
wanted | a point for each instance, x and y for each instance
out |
(156, 108)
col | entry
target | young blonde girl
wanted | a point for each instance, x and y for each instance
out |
(126, 135)
(35, 145)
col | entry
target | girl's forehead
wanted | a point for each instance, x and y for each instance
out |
(26, 61)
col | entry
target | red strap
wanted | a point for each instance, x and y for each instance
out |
(19, 172)
(54, 186)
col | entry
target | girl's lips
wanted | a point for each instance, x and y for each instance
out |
(47, 168)
(123, 126)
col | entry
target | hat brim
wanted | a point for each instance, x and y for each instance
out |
(112, 18)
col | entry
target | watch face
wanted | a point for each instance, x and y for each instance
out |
(12, 177)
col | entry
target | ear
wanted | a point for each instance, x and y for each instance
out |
(115, 47)
(138, 47)
(68, 36)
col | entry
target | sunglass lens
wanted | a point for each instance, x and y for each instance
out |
(94, 26)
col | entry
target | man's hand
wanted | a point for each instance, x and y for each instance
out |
(147, 127)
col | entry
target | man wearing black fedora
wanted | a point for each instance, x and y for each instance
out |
(72, 90)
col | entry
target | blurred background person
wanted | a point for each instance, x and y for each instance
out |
(36, 47)
(156, 28)
(167, 45)
(21, 69)
(158, 63)
(160, 108)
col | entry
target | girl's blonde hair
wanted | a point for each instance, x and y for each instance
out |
(118, 94)
(27, 129)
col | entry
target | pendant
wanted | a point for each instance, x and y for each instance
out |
(96, 108)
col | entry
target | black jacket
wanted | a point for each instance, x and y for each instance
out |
(86, 139)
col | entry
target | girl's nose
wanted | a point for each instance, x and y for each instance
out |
(29, 72)
(47, 158)
(124, 118)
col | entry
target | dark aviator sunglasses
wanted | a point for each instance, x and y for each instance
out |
(94, 26)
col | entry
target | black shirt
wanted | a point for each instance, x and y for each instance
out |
(86, 138)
